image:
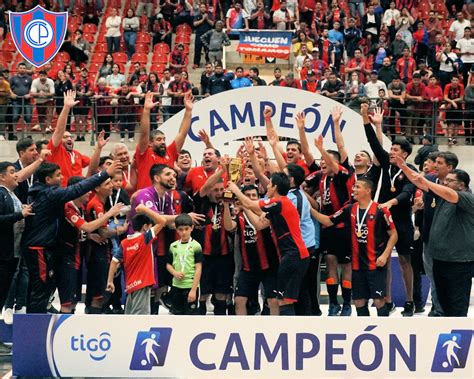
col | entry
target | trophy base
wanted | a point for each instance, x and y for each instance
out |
(228, 196)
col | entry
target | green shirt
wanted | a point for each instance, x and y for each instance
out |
(183, 257)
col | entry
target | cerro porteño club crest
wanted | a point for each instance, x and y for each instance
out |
(38, 34)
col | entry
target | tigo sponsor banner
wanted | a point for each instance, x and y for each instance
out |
(270, 43)
(238, 347)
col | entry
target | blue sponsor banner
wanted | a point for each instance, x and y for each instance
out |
(269, 43)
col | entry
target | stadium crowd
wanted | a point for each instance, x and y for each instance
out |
(233, 228)
(412, 58)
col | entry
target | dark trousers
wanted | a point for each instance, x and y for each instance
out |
(198, 47)
(305, 305)
(113, 44)
(418, 271)
(19, 287)
(40, 263)
(7, 270)
(103, 123)
(453, 281)
(127, 123)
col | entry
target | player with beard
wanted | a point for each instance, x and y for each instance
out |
(159, 198)
(332, 183)
(218, 264)
(259, 257)
(151, 147)
(198, 176)
(396, 194)
(61, 144)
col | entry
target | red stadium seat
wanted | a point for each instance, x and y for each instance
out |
(89, 28)
(182, 38)
(94, 67)
(98, 57)
(100, 47)
(161, 48)
(143, 48)
(89, 37)
(158, 68)
(6, 58)
(63, 57)
(183, 29)
(8, 46)
(120, 58)
(140, 57)
(143, 37)
(159, 58)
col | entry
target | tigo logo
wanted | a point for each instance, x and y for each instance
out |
(96, 347)
(150, 349)
(452, 351)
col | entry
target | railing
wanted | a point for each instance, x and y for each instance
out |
(20, 117)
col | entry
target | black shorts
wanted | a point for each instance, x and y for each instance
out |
(369, 284)
(164, 277)
(405, 232)
(179, 301)
(249, 281)
(67, 276)
(97, 273)
(217, 274)
(291, 273)
(335, 241)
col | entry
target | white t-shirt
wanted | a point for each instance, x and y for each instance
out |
(458, 28)
(372, 89)
(280, 15)
(47, 87)
(166, 99)
(466, 46)
(447, 67)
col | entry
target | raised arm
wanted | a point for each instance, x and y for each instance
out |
(248, 204)
(69, 103)
(159, 221)
(229, 223)
(300, 124)
(381, 155)
(95, 157)
(336, 114)
(273, 140)
(29, 170)
(144, 131)
(186, 122)
(202, 134)
(330, 161)
(257, 169)
(259, 222)
(211, 182)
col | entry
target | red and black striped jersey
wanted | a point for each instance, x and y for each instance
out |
(211, 235)
(257, 247)
(370, 238)
(70, 234)
(285, 222)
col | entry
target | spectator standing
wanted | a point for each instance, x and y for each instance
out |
(303, 40)
(61, 86)
(154, 86)
(283, 17)
(371, 24)
(414, 96)
(396, 99)
(127, 112)
(259, 17)
(406, 66)
(457, 27)
(177, 89)
(112, 34)
(352, 37)
(166, 98)
(337, 39)
(102, 95)
(20, 85)
(447, 66)
(115, 79)
(326, 48)
(219, 82)
(84, 91)
(203, 22)
(453, 95)
(356, 8)
(130, 26)
(391, 18)
(387, 72)
(42, 91)
(161, 30)
(465, 47)
(5, 94)
(373, 87)
(179, 59)
(334, 88)
(206, 74)
(213, 40)
(236, 18)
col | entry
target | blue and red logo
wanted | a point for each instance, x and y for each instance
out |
(38, 34)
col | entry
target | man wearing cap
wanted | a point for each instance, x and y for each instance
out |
(42, 91)
(161, 30)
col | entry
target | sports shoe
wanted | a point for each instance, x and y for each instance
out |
(334, 309)
(52, 310)
(391, 308)
(166, 300)
(122, 139)
(434, 313)
(419, 308)
(346, 310)
(131, 140)
(21, 311)
(5, 350)
(8, 316)
(408, 309)
(49, 129)
(36, 128)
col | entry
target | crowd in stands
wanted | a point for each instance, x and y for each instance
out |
(388, 53)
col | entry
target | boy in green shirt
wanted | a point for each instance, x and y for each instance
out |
(185, 264)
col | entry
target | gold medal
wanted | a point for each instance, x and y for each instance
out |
(215, 226)
(359, 234)
(433, 203)
(393, 189)
(116, 221)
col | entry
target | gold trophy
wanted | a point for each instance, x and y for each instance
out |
(234, 171)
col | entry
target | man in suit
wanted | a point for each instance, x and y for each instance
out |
(12, 214)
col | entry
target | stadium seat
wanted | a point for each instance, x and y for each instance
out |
(143, 48)
(94, 67)
(8, 45)
(63, 57)
(6, 58)
(143, 37)
(183, 29)
(159, 58)
(100, 47)
(161, 48)
(89, 28)
(158, 68)
(89, 37)
(120, 58)
(140, 57)
(98, 57)
(182, 38)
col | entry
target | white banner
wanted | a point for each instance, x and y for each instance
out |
(242, 347)
(236, 114)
